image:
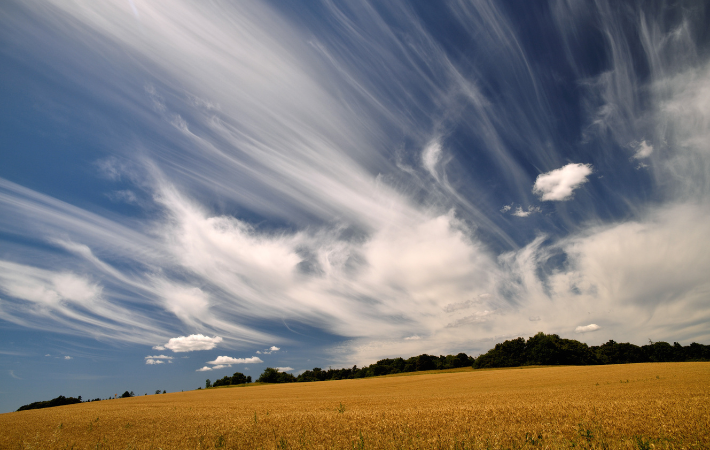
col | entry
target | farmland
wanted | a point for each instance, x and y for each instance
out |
(662, 405)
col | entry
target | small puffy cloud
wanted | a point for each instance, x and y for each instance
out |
(204, 369)
(284, 369)
(522, 213)
(192, 343)
(47, 354)
(159, 357)
(506, 208)
(643, 150)
(274, 348)
(228, 360)
(412, 338)
(220, 366)
(559, 184)
(158, 347)
(154, 361)
(587, 328)
(67, 357)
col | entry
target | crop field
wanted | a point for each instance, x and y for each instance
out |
(642, 406)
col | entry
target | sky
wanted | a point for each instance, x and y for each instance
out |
(189, 189)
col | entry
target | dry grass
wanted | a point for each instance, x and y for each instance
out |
(629, 406)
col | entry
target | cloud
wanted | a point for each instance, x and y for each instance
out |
(158, 347)
(204, 369)
(274, 348)
(303, 135)
(159, 357)
(154, 361)
(587, 328)
(643, 150)
(191, 343)
(12, 374)
(220, 366)
(531, 210)
(230, 360)
(431, 157)
(68, 357)
(534, 318)
(284, 369)
(412, 338)
(477, 317)
(559, 184)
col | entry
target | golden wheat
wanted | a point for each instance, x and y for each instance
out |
(663, 405)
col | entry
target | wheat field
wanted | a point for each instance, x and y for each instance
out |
(644, 406)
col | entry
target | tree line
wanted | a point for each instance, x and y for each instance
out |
(549, 349)
(541, 349)
(62, 400)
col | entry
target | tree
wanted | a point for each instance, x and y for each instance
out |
(127, 394)
(157, 391)
(164, 391)
(208, 383)
(272, 375)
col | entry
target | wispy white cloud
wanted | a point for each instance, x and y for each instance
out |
(519, 212)
(296, 129)
(559, 184)
(154, 361)
(204, 369)
(284, 369)
(68, 357)
(228, 360)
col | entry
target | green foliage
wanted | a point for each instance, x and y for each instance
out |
(550, 349)
(271, 375)
(237, 378)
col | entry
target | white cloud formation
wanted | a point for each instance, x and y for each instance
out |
(412, 338)
(68, 357)
(587, 328)
(284, 369)
(159, 357)
(228, 360)
(431, 157)
(274, 348)
(643, 150)
(524, 213)
(284, 146)
(193, 342)
(154, 361)
(158, 347)
(204, 369)
(559, 184)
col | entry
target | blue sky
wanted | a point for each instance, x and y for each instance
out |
(190, 189)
